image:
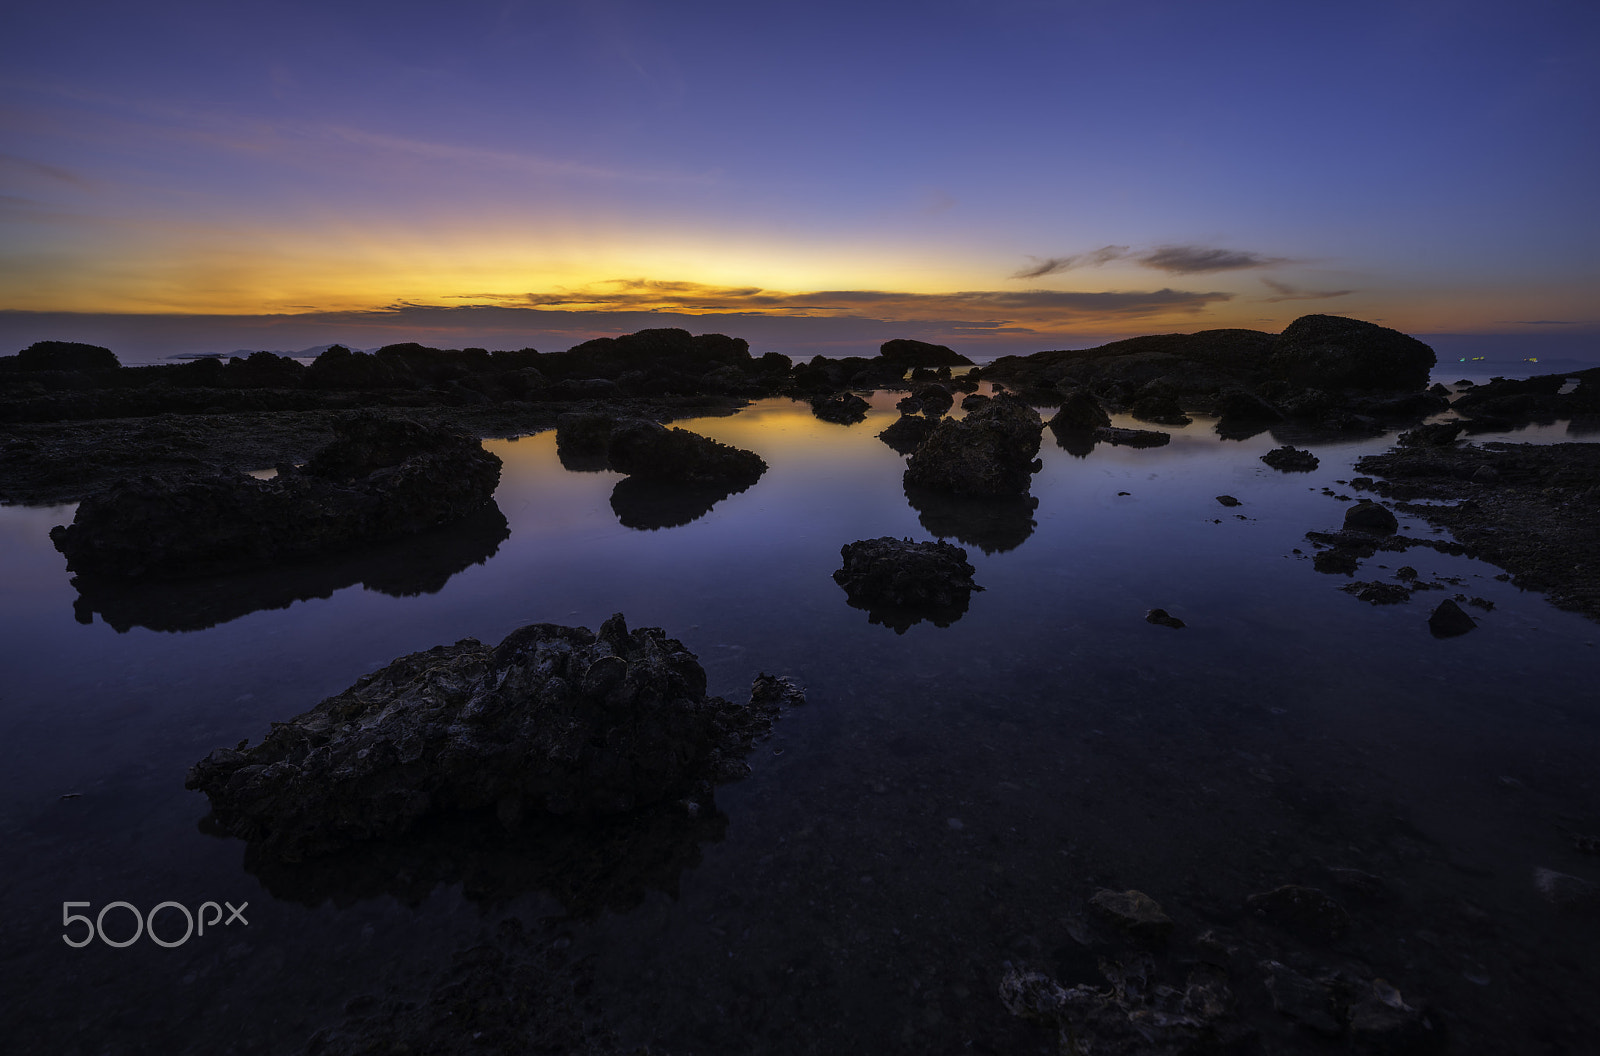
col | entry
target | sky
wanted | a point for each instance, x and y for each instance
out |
(996, 175)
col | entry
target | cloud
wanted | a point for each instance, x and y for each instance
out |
(1196, 260)
(1545, 322)
(1286, 292)
(1051, 265)
(1030, 307)
(38, 168)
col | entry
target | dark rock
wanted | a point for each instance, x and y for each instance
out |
(1440, 390)
(844, 408)
(1307, 912)
(1434, 434)
(1303, 1000)
(382, 478)
(65, 355)
(652, 451)
(1135, 913)
(1163, 618)
(972, 401)
(583, 440)
(1369, 516)
(775, 691)
(993, 523)
(554, 719)
(1378, 592)
(1339, 560)
(900, 582)
(1287, 459)
(1332, 352)
(906, 352)
(935, 399)
(1242, 405)
(1383, 1024)
(909, 405)
(1570, 894)
(906, 433)
(1080, 412)
(1133, 437)
(1449, 621)
(1159, 407)
(989, 452)
(1229, 500)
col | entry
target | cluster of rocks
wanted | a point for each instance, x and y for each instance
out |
(990, 452)
(556, 720)
(1330, 372)
(1170, 994)
(381, 478)
(901, 583)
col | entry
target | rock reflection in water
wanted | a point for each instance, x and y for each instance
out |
(418, 564)
(652, 504)
(588, 865)
(1076, 442)
(992, 524)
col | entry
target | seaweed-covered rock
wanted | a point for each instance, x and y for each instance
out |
(845, 408)
(1288, 459)
(382, 478)
(647, 449)
(906, 433)
(989, 452)
(900, 582)
(554, 719)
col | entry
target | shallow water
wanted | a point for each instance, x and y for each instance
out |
(942, 806)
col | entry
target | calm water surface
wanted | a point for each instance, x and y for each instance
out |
(943, 805)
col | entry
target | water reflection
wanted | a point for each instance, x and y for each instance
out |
(994, 525)
(652, 504)
(419, 564)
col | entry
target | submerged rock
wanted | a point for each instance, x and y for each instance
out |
(382, 478)
(900, 582)
(989, 452)
(1287, 459)
(1133, 437)
(556, 720)
(1163, 618)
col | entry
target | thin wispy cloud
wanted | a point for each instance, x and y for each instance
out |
(1285, 292)
(1176, 260)
(39, 168)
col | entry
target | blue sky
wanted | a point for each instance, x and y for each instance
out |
(998, 174)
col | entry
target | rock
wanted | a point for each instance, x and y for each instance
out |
(1448, 620)
(1337, 561)
(652, 451)
(1332, 352)
(1369, 516)
(1080, 412)
(906, 352)
(1433, 434)
(972, 401)
(844, 408)
(553, 719)
(1287, 459)
(901, 583)
(1303, 1000)
(1229, 501)
(1378, 592)
(906, 433)
(775, 691)
(583, 440)
(935, 399)
(382, 478)
(909, 405)
(1310, 913)
(1241, 405)
(1140, 1014)
(1161, 408)
(1135, 913)
(1439, 389)
(1162, 618)
(1383, 1024)
(65, 355)
(990, 452)
(1133, 437)
(1570, 894)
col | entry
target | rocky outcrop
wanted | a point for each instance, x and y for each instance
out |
(900, 582)
(61, 355)
(1132, 437)
(382, 478)
(1288, 459)
(906, 433)
(906, 352)
(843, 408)
(1080, 413)
(989, 452)
(1332, 352)
(556, 720)
(651, 451)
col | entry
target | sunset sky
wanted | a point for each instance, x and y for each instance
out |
(995, 174)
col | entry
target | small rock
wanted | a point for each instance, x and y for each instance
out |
(1163, 618)
(1369, 516)
(1377, 592)
(1303, 910)
(1570, 894)
(1448, 620)
(1229, 500)
(1287, 459)
(1134, 912)
(1303, 1000)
